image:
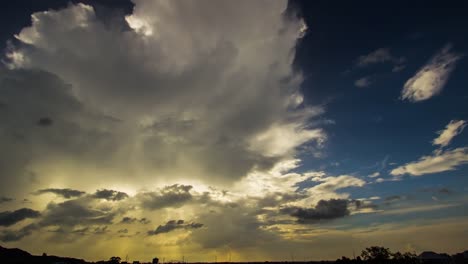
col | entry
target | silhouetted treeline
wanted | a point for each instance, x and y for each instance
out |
(382, 255)
(370, 255)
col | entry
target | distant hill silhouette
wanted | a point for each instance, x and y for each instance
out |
(13, 253)
(372, 255)
(18, 256)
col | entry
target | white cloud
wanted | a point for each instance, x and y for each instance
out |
(452, 129)
(432, 77)
(328, 187)
(375, 174)
(334, 183)
(438, 162)
(363, 82)
(283, 181)
(380, 180)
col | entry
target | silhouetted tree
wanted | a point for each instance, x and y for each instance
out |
(376, 254)
(459, 258)
(405, 258)
(114, 260)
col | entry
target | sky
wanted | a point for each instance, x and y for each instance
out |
(233, 130)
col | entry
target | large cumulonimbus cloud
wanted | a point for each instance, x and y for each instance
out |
(176, 90)
(192, 96)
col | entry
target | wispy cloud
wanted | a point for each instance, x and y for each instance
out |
(380, 55)
(65, 193)
(432, 77)
(415, 209)
(363, 82)
(438, 162)
(452, 129)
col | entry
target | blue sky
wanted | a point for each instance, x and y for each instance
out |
(247, 129)
(372, 125)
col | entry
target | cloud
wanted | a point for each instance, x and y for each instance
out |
(363, 205)
(394, 198)
(110, 195)
(65, 193)
(131, 220)
(45, 121)
(207, 96)
(15, 235)
(71, 213)
(199, 94)
(123, 231)
(174, 225)
(8, 218)
(454, 128)
(324, 210)
(170, 196)
(418, 208)
(363, 82)
(333, 183)
(238, 226)
(438, 162)
(374, 175)
(380, 55)
(81, 231)
(444, 191)
(4, 199)
(398, 68)
(100, 230)
(30, 150)
(432, 77)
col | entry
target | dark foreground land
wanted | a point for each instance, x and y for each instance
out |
(371, 255)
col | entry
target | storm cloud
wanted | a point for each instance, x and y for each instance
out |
(324, 210)
(110, 195)
(174, 225)
(4, 199)
(131, 220)
(15, 235)
(170, 196)
(9, 218)
(217, 110)
(65, 193)
(75, 212)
